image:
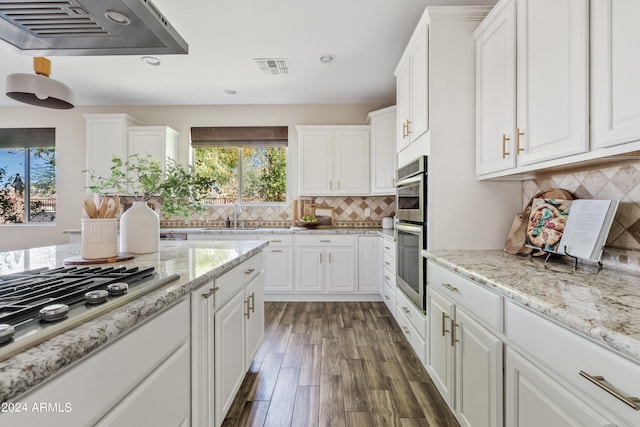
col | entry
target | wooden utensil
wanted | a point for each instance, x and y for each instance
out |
(90, 208)
(112, 207)
(104, 205)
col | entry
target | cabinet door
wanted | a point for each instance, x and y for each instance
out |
(161, 399)
(315, 165)
(533, 399)
(478, 356)
(420, 85)
(278, 271)
(403, 101)
(440, 356)
(369, 264)
(352, 162)
(254, 295)
(496, 92)
(615, 83)
(553, 78)
(309, 270)
(383, 152)
(158, 142)
(202, 356)
(341, 269)
(229, 353)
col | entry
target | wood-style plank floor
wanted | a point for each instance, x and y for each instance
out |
(336, 364)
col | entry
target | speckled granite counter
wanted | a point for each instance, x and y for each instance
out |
(604, 305)
(266, 230)
(196, 262)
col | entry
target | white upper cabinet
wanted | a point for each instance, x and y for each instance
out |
(160, 142)
(615, 82)
(496, 91)
(333, 160)
(551, 83)
(383, 150)
(412, 80)
(107, 137)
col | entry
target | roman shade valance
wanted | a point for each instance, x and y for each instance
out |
(245, 136)
(27, 137)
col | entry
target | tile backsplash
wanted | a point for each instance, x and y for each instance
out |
(619, 181)
(348, 212)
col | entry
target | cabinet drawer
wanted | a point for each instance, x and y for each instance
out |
(562, 354)
(277, 240)
(389, 249)
(325, 240)
(411, 313)
(390, 264)
(417, 342)
(481, 303)
(389, 296)
(389, 277)
(233, 280)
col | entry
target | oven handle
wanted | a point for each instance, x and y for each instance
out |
(410, 228)
(410, 180)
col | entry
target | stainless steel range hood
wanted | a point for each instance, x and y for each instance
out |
(87, 27)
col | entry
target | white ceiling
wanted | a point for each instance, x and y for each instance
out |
(224, 36)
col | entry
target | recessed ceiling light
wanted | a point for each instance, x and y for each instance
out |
(327, 58)
(117, 17)
(230, 91)
(151, 60)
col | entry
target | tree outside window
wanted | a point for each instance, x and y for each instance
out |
(244, 174)
(27, 175)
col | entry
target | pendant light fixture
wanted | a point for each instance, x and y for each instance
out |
(39, 89)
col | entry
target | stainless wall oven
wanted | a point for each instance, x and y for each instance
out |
(411, 229)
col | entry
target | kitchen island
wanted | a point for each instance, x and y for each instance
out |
(197, 263)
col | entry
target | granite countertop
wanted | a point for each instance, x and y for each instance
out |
(197, 262)
(601, 305)
(265, 230)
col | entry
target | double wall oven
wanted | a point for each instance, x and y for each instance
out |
(411, 229)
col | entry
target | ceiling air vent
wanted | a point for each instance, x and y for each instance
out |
(273, 66)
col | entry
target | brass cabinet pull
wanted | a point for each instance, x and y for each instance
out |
(252, 306)
(387, 248)
(329, 260)
(211, 292)
(249, 271)
(444, 328)
(338, 184)
(330, 189)
(320, 257)
(450, 287)
(248, 313)
(408, 123)
(406, 310)
(387, 277)
(276, 250)
(404, 130)
(406, 330)
(325, 240)
(387, 263)
(387, 297)
(276, 241)
(634, 402)
(505, 139)
(519, 133)
(454, 340)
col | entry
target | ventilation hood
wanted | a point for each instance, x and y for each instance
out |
(87, 28)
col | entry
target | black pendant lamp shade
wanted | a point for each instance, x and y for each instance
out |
(39, 89)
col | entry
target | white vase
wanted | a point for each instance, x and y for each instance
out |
(139, 230)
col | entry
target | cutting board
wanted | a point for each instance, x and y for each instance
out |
(78, 260)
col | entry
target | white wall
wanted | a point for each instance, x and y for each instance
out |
(71, 153)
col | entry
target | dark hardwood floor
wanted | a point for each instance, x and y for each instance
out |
(336, 364)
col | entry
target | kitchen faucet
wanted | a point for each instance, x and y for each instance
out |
(237, 210)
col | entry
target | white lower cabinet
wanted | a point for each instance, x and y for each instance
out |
(325, 264)
(227, 327)
(413, 324)
(278, 261)
(465, 356)
(124, 384)
(533, 399)
(369, 264)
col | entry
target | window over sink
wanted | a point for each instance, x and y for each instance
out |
(27, 175)
(247, 164)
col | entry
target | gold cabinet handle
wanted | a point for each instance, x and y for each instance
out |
(444, 328)
(387, 277)
(276, 241)
(325, 240)
(406, 330)
(275, 250)
(406, 310)
(408, 123)
(252, 306)
(454, 340)
(404, 130)
(387, 248)
(634, 402)
(248, 313)
(519, 133)
(450, 287)
(211, 292)
(387, 297)
(505, 139)
(321, 258)
(387, 263)
(329, 260)
(249, 271)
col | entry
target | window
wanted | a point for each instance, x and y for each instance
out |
(27, 175)
(246, 165)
